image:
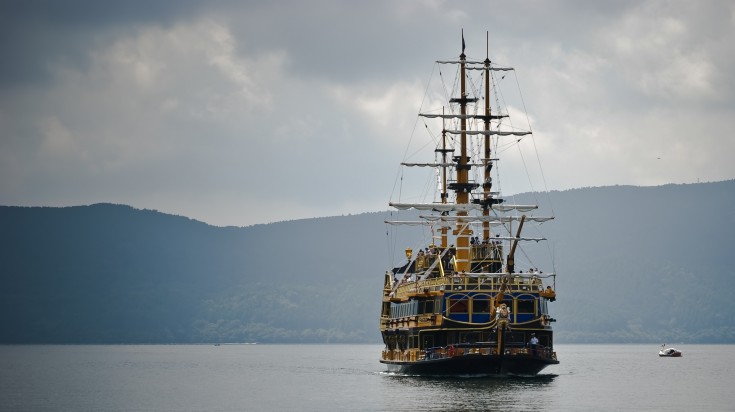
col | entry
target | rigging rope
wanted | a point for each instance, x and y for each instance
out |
(433, 184)
(533, 139)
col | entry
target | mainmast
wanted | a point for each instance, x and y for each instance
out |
(462, 186)
(488, 200)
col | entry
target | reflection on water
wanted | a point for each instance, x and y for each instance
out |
(467, 392)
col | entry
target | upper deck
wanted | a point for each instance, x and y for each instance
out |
(480, 282)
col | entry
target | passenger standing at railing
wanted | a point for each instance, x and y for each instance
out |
(533, 343)
(456, 280)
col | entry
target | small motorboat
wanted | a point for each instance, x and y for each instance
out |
(669, 352)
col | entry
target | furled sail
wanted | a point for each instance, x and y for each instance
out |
(497, 220)
(439, 207)
(450, 221)
(488, 132)
(472, 62)
(465, 207)
(532, 239)
(460, 116)
(409, 223)
(495, 69)
(508, 208)
(428, 164)
(441, 164)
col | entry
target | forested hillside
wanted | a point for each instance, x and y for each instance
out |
(111, 273)
(634, 264)
(646, 264)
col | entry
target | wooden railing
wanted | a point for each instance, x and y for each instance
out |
(415, 355)
(481, 282)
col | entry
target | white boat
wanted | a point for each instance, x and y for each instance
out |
(669, 352)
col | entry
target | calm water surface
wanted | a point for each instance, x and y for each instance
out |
(349, 377)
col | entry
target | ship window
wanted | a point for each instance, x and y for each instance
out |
(527, 305)
(402, 310)
(481, 305)
(457, 305)
(429, 306)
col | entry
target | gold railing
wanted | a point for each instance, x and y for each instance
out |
(489, 282)
(416, 355)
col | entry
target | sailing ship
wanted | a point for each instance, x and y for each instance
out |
(462, 304)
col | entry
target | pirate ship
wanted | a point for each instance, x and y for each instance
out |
(463, 302)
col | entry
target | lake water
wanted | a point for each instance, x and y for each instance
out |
(349, 378)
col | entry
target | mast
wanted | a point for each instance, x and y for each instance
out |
(462, 188)
(487, 184)
(444, 193)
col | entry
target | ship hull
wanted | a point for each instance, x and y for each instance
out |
(473, 364)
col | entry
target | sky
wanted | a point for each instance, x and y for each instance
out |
(243, 112)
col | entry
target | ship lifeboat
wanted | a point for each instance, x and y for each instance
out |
(669, 352)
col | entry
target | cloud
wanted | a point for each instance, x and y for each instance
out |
(148, 107)
(241, 113)
(389, 109)
(661, 60)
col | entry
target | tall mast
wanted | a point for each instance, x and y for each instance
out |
(444, 193)
(487, 184)
(462, 232)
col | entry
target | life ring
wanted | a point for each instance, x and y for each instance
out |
(450, 351)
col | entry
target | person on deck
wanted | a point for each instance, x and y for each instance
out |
(533, 343)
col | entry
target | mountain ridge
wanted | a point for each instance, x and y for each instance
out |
(635, 264)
